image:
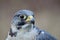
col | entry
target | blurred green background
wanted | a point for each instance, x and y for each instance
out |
(47, 14)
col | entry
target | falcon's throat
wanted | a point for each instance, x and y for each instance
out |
(25, 26)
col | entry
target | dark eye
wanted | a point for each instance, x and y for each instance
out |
(23, 16)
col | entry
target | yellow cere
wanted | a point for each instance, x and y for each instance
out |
(29, 18)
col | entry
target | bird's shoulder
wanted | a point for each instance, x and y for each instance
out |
(44, 35)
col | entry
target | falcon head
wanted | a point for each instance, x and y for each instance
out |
(23, 18)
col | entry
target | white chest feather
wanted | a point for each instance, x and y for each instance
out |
(25, 36)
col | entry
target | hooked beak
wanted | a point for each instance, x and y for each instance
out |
(30, 19)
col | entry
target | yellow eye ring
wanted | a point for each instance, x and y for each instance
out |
(24, 17)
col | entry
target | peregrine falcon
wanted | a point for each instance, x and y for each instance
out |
(23, 28)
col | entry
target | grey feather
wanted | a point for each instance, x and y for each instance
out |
(26, 12)
(43, 35)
